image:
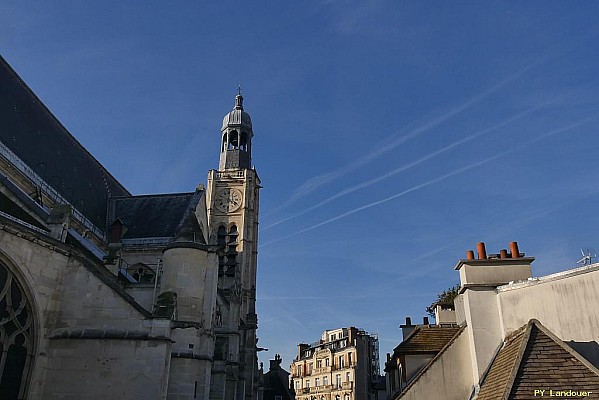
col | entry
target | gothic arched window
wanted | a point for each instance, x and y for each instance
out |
(16, 336)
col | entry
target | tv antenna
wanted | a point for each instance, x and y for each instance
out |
(587, 257)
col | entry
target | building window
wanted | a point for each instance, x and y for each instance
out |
(341, 362)
(326, 361)
(325, 380)
(349, 359)
(221, 348)
(338, 380)
(347, 377)
(318, 363)
(297, 385)
(307, 384)
(16, 337)
(334, 337)
(299, 370)
(317, 382)
(227, 259)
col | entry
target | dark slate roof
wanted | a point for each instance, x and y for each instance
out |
(30, 131)
(427, 339)
(534, 358)
(153, 215)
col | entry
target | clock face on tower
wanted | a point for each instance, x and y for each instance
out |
(228, 200)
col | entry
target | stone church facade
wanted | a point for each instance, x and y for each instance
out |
(104, 294)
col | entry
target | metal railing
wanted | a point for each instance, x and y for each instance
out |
(37, 180)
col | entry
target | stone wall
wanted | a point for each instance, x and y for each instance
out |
(93, 340)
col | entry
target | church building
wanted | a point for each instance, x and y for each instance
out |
(109, 295)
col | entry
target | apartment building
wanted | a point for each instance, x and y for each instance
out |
(342, 365)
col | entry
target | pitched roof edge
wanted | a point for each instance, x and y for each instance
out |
(523, 345)
(13, 72)
(431, 362)
(416, 329)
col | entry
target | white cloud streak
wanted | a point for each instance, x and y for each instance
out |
(405, 167)
(314, 183)
(428, 183)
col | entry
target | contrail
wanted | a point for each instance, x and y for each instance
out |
(428, 183)
(314, 183)
(404, 167)
(423, 159)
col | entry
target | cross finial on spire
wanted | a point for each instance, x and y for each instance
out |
(239, 99)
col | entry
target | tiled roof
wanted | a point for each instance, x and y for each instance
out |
(427, 339)
(30, 131)
(496, 381)
(534, 358)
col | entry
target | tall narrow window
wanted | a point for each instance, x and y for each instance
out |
(231, 251)
(221, 241)
(227, 259)
(243, 145)
(16, 337)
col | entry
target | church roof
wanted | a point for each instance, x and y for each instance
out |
(152, 215)
(534, 358)
(30, 131)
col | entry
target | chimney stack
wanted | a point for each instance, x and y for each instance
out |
(470, 255)
(503, 253)
(482, 252)
(407, 328)
(425, 320)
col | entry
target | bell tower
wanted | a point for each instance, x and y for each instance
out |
(236, 138)
(232, 204)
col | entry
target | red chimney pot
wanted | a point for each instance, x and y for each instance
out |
(514, 250)
(482, 252)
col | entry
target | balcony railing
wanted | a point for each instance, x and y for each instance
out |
(328, 388)
(321, 370)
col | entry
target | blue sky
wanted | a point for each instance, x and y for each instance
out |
(390, 136)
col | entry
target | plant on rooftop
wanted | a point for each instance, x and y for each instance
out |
(444, 299)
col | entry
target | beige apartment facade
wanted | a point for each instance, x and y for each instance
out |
(342, 365)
